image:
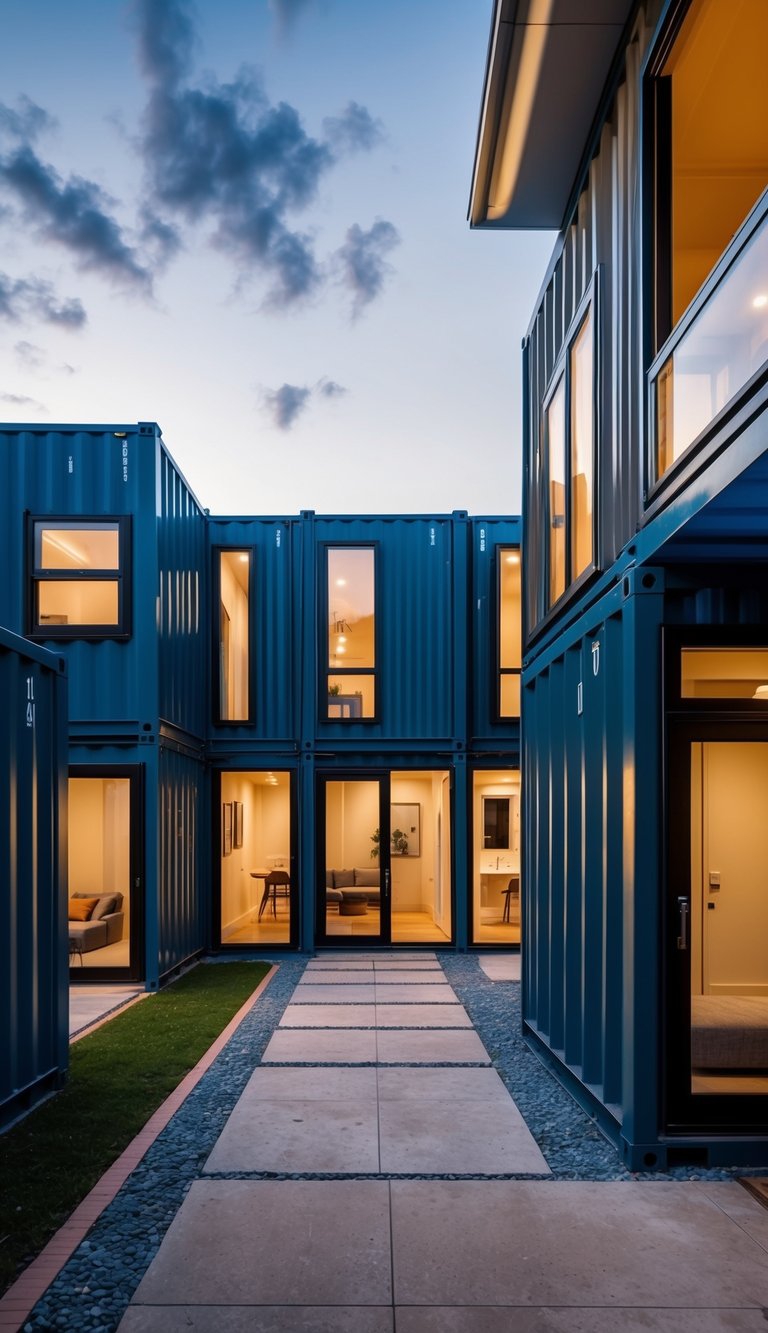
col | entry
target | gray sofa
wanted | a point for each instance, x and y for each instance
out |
(366, 880)
(104, 926)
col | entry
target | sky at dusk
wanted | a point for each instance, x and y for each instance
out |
(246, 220)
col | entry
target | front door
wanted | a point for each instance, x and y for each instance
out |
(354, 860)
(718, 926)
(105, 854)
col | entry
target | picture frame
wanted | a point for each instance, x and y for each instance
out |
(237, 823)
(226, 828)
(405, 829)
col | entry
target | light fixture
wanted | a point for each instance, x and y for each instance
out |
(761, 693)
(342, 638)
(760, 301)
(341, 583)
(513, 559)
(243, 558)
(340, 648)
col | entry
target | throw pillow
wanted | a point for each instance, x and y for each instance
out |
(80, 908)
(344, 879)
(104, 907)
(367, 879)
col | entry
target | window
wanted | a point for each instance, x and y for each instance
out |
(79, 578)
(351, 644)
(569, 425)
(234, 580)
(710, 103)
(508, 574)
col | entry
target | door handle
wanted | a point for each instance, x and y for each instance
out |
(683, 920)
(386, 883)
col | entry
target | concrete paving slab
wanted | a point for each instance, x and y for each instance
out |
(411, 963)
(300, 1047)
(298, 1136)
(572, 1243)
(501, 967)
(331, 1085)
(430, 1047)
(385, 956)
(740, 1206)
(415, 994)
(400, 976)
(329, 1016)
(275, 1242)
(250, 1319)
(473, 1137)
(444, 1085)
(336, 976)
(330, 994)
(496, 1319)
(422, 1016)
(344, 964)
(87, 1004)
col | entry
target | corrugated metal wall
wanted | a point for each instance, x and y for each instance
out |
(592, 869)
(604, 238)
(183, 908)
(181, 577)
(34, 1013)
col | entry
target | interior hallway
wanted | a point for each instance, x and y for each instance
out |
(412, 1197)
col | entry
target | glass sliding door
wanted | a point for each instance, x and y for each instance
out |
(354, 862)
(105, 905)
(496, 857)
(420, 856)
(255, 840)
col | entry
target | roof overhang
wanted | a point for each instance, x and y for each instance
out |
(548, 61)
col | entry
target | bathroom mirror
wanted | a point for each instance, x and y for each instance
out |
(496, 823)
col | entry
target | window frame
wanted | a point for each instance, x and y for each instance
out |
(502, 549)
(562, 373)
(325, 670)
(216, 554)
(122, 576)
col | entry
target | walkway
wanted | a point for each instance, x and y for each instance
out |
(375, 1176)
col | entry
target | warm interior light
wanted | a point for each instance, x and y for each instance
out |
(342, 638)
(341, 583)
(760, 300)
(340, 648)
(61, 545)
(761, 693)
(513, 559)
(244, 559)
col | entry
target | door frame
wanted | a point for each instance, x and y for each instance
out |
(135, 969)
(685, 1112)
(292, 943)
(383, 938)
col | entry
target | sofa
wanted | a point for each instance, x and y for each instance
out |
(104, 924)
(367, 880)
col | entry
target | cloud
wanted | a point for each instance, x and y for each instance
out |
(29, 355)
(361, 261)
(286, 404)
(160, 238)
(286, 12)
(72, 213)
(21, 400)
(354, 130)
(27, 122)
(34, 298)
(330, 389)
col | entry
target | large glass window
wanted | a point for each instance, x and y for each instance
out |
(256, 883)
(508, 574)
(78, 578)
(711, 108)
(234, 635)
(570, 435)
(99, 850)
(351, 642)
(420, 857)
(496, 857)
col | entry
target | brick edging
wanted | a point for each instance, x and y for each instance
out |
(22, 1296)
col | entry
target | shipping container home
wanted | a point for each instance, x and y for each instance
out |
(284, 732)
(34, 1004)
(645, 639)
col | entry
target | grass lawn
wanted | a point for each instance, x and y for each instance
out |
(117, 1077)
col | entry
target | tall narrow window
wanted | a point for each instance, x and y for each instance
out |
(234, 635)
(508, 574)
(582, 448)
(78, 578)
(570, 436)
(556, 441)
(351, 644)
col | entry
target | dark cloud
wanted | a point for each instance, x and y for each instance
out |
(33, 298)
(330, 389)
(25, 123)
(72, 213)
(161, 240)
(166, 39)
(286, 404)
(361, 261)
(286, 12)
(21, 400)
(354, 130)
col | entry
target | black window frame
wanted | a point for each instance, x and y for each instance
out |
(216, 554)
(590, 302)
(502, 549)
(326, 671)
(122, 576)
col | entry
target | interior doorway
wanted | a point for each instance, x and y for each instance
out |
(496, 856)
(254, 835)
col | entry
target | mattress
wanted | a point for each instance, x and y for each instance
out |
(729, 1031)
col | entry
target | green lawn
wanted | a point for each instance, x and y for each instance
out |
(117, 1077)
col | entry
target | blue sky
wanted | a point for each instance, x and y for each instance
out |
(247, 221)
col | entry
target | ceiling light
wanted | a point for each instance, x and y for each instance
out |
(760, 300)
(342, 638)
(513, 559)
(341, 583)
(761, 693)
(340, 648)
(243, 558)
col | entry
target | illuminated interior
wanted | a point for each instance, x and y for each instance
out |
(99, 852)
(582, 448)
(556, 440)
(83, 549)
(234, 635)
(509, 631)
(724, 673)
(496, 857)
(351, 633)
(256, 858)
